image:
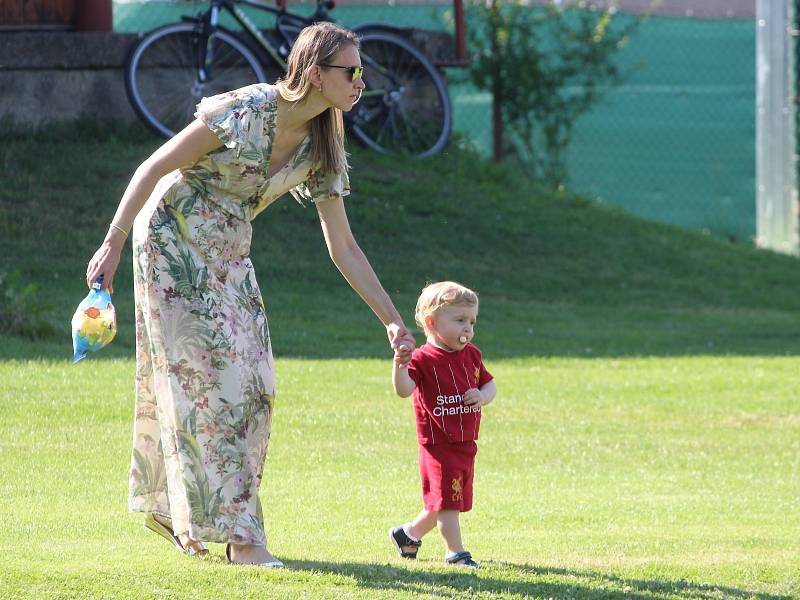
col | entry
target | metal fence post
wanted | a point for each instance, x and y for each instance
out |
(776, 142)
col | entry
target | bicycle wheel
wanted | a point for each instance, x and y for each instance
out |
(164, 80)
(405, 107)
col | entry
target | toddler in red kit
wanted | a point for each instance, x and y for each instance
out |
(450, 385)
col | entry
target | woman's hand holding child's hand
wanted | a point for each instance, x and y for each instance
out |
(402, 356)
(402, 343)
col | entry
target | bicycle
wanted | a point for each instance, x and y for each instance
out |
(404, 108)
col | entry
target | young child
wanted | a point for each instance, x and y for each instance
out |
(450, 385)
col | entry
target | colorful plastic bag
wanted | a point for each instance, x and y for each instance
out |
(94, 323)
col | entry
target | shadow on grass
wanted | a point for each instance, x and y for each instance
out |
(511, 330)
(301, 344)
(499, 577)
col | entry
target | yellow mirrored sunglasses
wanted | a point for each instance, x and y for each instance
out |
(355, 72)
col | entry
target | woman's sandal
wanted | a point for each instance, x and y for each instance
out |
(272, 564)
(193, 548)
(400, 539)
(462, 559)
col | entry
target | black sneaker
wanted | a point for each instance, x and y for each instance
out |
(400, 539)
(462, 559)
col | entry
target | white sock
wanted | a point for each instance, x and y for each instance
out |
(406, 529)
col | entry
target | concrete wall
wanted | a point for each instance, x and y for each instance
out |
(54, 77)
(57, 77)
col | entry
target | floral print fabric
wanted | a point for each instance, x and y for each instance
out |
(204, 378)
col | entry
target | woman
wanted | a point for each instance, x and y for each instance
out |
(204, 379)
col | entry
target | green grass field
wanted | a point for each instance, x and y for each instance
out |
(644, 443)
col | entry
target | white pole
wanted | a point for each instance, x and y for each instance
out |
(776, 144)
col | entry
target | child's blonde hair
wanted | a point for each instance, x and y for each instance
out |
(441, 293)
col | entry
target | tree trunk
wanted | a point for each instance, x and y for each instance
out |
(497, 119)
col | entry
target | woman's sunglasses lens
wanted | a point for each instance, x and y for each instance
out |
(356, 72)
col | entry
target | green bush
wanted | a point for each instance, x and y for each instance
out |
(23, 310)
(545, 67)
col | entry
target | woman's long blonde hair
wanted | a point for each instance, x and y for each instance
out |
(316, 45)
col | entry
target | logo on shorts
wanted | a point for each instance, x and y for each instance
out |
(458, 492)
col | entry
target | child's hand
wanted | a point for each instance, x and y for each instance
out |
(474, 397)
(402, 356)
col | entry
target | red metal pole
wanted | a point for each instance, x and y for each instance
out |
(497, 89)
(93, 15)
(461, 47)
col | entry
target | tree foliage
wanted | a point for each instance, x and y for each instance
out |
(545, 66)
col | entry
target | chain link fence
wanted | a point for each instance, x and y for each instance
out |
(675, 143)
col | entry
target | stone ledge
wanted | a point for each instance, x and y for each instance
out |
(30, 100)
(64, 50)
(26, 50)
(59, 77)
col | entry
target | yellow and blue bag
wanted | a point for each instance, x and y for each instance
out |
(94, 323)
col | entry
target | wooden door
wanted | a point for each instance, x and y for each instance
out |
(37, 14)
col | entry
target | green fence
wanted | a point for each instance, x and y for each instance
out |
(675, 144)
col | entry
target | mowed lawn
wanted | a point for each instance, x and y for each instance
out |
(635, 478)
(644, 443)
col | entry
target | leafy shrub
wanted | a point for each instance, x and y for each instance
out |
(545, 66)
(23, 310)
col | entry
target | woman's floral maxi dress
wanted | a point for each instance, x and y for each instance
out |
(204, 378)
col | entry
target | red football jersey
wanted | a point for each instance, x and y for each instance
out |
(441, 378)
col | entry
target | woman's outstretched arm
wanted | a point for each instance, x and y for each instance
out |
(354, 266)
(188, 146)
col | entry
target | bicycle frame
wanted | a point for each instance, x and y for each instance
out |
(221, 48)
(211, 20)
(210, 23)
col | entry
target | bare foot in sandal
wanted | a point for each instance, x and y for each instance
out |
(251, 555)
(184, 542)
(193, 547)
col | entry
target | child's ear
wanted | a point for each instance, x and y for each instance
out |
(429, 322)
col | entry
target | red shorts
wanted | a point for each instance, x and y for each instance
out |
(446, 471)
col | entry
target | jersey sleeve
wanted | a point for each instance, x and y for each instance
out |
(482, 375)
(240, 119)
(413, 367)
(485, 377)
